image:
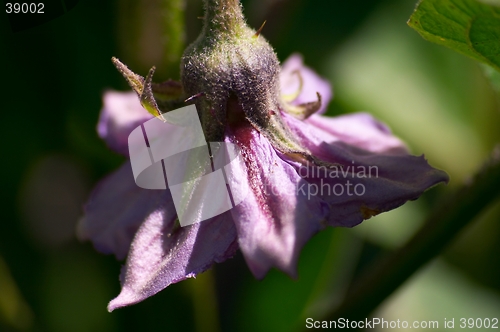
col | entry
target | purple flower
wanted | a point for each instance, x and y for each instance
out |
(305, 172)
(283, 211)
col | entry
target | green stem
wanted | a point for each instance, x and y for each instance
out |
(206, 313)
(14, 311)
(441, 227)
(151, 33)
(173, 34)
(223, 16)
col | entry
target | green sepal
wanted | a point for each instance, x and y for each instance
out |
(147, 98)
(156, 98)
(135, 81)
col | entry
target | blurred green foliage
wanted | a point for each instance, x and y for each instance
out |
(438, 101)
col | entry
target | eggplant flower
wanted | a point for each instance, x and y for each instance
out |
(305, 171)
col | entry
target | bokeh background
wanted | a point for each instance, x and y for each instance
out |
(53, 77)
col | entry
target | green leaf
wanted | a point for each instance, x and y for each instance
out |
(466, 26)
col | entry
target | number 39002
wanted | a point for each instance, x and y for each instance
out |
(24, 8)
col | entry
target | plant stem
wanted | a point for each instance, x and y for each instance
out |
(441, 227)
(223, 16)
(206, 313)
(173, 34)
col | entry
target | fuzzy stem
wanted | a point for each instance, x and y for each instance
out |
(441, 227)
(223, 16)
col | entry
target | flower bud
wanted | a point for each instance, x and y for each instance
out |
(234, 73)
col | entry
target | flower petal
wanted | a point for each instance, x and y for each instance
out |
(274, 221)
(121, 113)
(312, 83)
(377, 175)
(115, 210)
(163, 253)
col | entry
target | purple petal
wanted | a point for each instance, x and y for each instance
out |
(358, 129)
(273, 221)
(312, 83)
(377, 174)
(115, 210)
(162, 254)
(121, 113)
